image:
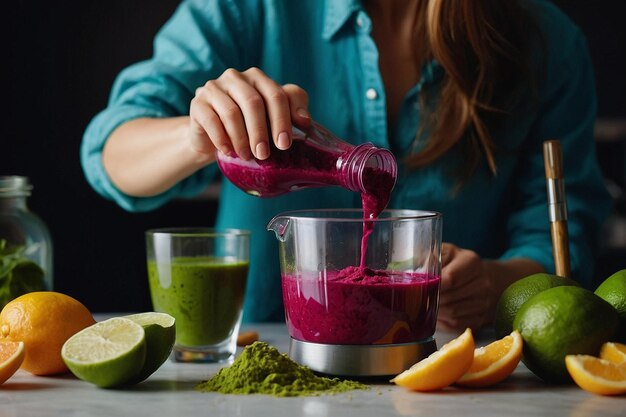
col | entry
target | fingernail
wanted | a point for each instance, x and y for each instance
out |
(302, 112)
(283, 141)
(262, 151)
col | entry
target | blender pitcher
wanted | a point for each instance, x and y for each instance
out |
(360, 304)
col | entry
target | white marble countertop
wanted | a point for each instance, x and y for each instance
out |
(170, 392)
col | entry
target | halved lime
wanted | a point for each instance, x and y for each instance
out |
(160, 331)
(108, 353)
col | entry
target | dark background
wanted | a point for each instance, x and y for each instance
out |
(59, 64)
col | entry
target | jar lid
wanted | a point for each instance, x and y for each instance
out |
(14, 186)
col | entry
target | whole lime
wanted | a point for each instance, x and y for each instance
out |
(518, 293)
(613, 290)
(563, 321)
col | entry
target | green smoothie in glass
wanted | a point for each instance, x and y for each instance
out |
(204, 294)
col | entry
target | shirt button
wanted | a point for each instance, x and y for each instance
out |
(371, 94)
(362, 23)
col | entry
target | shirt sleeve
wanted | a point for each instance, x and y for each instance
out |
(198, 43)
(567, 113)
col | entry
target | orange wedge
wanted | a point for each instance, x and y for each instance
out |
(11, 357)
(399, 327)
(441, 368)
(613, 352)
(597, 375)
(494, 362)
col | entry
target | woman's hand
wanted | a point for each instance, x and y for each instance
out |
(232, 112)
(471, 286)
(468, 296)
(147, 156)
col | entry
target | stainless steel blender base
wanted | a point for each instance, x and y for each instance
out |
(360, 360)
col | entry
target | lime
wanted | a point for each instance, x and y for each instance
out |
(518, 293)
(108, 353)
(563, 321)
(613, 290)
(160, 331)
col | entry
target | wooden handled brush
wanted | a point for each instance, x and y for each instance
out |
(557, 205)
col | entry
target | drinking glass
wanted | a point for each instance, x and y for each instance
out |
(198, 276)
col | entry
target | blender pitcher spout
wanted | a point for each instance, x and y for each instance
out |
(279, 225)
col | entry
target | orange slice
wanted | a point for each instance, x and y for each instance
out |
(494, 362)
(613, 352)
(442, 367)
(11, 357)
(597, 375)
(399, 327)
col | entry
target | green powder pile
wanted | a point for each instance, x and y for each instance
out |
(262, 369)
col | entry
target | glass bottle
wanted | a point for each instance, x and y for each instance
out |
(25, 243)
(316, 158)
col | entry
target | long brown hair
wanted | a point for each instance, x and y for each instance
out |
(482, 48)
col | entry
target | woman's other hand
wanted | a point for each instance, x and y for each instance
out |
(240, 112)
(471, 286)
(468, 296)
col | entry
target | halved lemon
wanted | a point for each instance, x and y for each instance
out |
(613, 352)
(597, 375)
(441, 368)
(11, 357)
(494, 362)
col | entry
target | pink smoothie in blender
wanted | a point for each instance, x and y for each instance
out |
(361, 306)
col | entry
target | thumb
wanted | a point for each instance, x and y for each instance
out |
(448, 250)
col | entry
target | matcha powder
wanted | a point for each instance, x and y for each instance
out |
(262, 369)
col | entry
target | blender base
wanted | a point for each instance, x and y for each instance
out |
(360, 360)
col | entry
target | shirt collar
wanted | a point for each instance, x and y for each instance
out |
(336, 14)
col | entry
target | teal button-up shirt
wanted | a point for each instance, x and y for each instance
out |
(326, 47)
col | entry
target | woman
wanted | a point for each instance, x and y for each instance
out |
(463, 92)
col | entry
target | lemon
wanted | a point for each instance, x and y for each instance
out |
(441, 368)
(108, 354)
(597, 375)
(518, 293)
(613, 290)
(493, 363)
(43, 320)
(160, 330)
(11, 357)
(613, 352)
(563, 321)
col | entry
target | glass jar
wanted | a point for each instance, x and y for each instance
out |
(25, 243)
(316, 158)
